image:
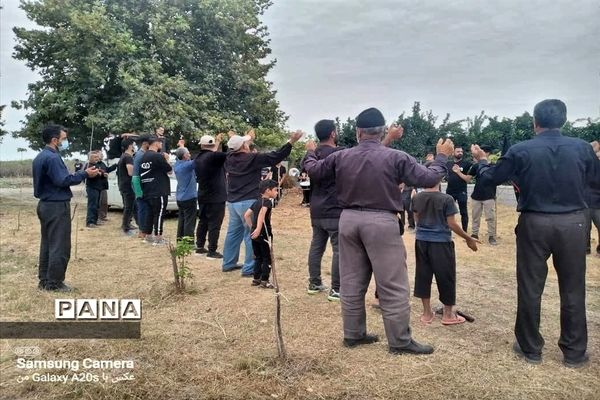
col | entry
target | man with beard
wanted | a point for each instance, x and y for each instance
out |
(457, 187)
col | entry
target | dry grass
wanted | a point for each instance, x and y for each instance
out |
(217, 341)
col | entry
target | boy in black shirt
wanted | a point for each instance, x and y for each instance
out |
(259, 218)
(156, 186)
(434, 213)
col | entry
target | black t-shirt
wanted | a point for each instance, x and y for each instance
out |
(154, 176)
(122, 175)
(258, 204)
(455, 183)
(481, 192)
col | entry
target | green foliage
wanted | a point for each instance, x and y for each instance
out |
(421, 133)
(184, 247)
(192, 66)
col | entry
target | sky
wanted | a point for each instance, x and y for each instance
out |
(338, 57)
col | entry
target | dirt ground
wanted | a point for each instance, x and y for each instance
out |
(217, 340)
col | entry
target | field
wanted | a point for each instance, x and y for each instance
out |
(216, 341)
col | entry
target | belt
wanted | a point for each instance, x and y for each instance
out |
(371, 210)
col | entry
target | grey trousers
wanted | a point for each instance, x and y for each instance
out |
(488, 208)
(55, 245)
(324, 229)
(370, 242)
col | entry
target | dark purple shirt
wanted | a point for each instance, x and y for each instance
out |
(369, 174)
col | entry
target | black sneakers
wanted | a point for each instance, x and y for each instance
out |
(60, 287)
(412, 348)
(529, 357)
(201, 251)
(577, 364)
(214, 255)
(367, 339)
(492, 241)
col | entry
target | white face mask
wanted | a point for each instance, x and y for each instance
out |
(135, 148)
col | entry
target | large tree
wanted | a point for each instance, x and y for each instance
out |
(192, 66)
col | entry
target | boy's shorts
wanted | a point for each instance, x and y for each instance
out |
(435, 259)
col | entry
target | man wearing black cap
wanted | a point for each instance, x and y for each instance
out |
(367, 183)
(553, 172)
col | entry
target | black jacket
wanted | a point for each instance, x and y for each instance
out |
(323, 200)
(210, 175)
(243, 171)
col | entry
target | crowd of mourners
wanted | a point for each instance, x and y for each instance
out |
(361, 199)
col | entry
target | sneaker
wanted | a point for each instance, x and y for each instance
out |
(531, 358)
(42, 284)
(475, 236)
(129, 232)
(333, 295)
(159, 242)
(201, 251)
(234, 268)
(60, 287)
(367, 339)
(576, 364)
(149, 239)
(314, 289)
(255, 282)
(266, 285)
(412, 348)
(91, 226)
(214, 255)
(247, 274)
(492, 241)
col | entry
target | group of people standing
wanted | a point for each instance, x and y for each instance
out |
(357, 194)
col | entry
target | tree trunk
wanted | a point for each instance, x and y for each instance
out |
(278, 332)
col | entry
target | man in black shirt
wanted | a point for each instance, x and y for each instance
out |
(124, 174)
(324, 216)
(244, 169)
(552, 172)
(210, 175)
(156, 186)
(457, 187)
(483, 200)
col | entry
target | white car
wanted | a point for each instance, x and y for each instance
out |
(114, 195)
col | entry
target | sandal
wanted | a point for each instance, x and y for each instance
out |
(454, 321)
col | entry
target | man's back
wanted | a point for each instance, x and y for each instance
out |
(210, 174)
(552, 172)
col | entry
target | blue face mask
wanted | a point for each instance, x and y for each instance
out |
(64, 145)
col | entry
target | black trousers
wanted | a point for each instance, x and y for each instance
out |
(210, 219)
(93, 203)
(439, 259)
(562, 236)
(407, 205)
(461, 199)
(155, 217)
(129, 210)
(186, 220)
(55, 245)
(262, 255)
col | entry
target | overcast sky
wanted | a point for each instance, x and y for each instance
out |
(337, 57)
